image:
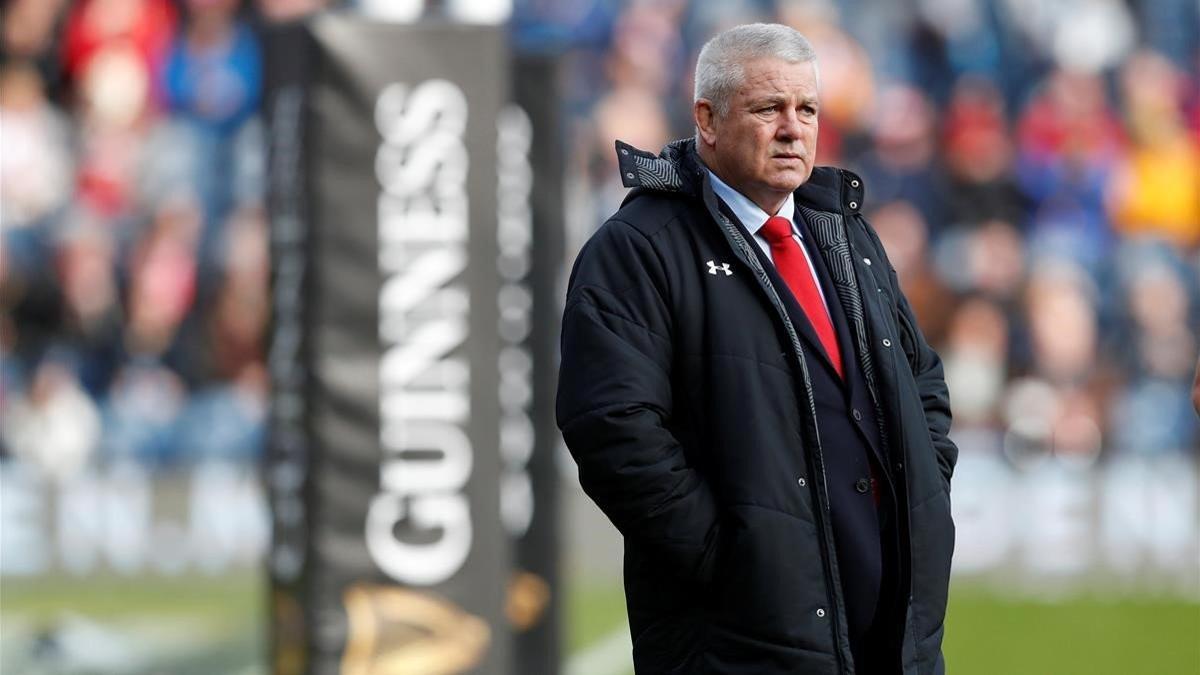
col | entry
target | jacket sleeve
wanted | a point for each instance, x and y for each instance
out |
(926, 368)
(615, 402)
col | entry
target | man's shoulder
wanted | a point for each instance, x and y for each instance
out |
(647, 233)
(651, 212)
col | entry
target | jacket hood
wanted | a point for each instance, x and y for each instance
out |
(678, 168)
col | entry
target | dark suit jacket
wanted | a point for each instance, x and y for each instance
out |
(864, 529)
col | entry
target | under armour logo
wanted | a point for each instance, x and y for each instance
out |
(724, 267)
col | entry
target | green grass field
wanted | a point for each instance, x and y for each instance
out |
(1084, 635)
(195, 625)
(206, 625)
(991, 635)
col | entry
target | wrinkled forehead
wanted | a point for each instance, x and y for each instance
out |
(775, 77)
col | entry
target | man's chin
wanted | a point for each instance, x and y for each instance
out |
(788, 182)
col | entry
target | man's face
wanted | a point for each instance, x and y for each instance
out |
(764, 146)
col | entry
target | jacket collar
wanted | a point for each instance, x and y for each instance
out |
(677, 168)
(750, 214)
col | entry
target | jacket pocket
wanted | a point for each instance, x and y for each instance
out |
(771, 583)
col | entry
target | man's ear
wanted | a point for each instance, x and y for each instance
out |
(706, 118)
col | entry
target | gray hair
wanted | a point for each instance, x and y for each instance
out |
(719, 70)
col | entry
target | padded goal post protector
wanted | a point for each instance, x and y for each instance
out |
(406, 458)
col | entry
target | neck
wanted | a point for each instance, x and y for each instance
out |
(771, 207)
(770, 202)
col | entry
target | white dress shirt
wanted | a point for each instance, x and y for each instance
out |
(754, 218)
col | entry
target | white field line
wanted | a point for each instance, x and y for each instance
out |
(610, 655)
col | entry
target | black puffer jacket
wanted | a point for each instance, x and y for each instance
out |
(685, 398)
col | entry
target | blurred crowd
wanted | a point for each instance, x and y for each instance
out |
(134, 264)
(1033, 167)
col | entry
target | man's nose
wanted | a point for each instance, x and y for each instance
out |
(789, 126)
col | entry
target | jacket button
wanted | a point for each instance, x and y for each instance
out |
(887, 342)
(867, 261)
(802, 482)
(854, 183)
(899, 466)
(862, 486)
(857, 415)
(820, 611)
(854, 205)
(629, 175)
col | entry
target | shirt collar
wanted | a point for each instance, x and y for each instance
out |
(752, 217)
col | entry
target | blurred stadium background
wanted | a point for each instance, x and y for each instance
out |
(1033, 167)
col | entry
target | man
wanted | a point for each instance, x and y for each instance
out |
(749, 399)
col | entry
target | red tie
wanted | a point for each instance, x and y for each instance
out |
(790, 262)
